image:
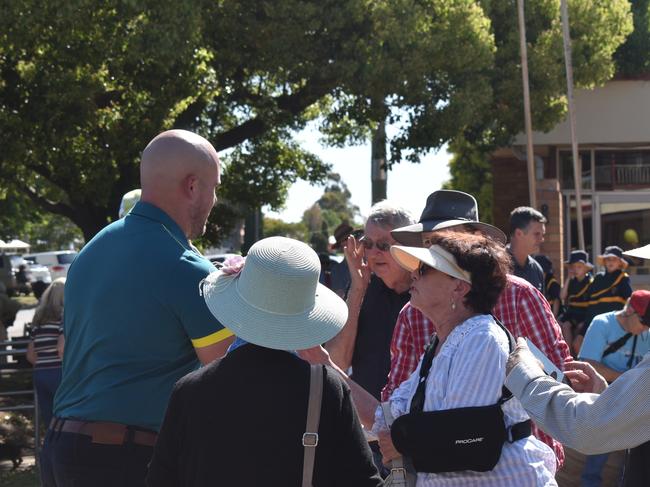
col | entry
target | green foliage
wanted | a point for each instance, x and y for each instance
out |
(19, 218)
(28, 477)
(332, 208)
(471, 172)
(633, 57)
(85, 84)
(260, 171)
(597, 28)
(276, 227)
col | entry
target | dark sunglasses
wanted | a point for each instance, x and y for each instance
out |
(368, 244)
(423, 269)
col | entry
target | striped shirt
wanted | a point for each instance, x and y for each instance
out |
(45, 338)
(590, 423)
(469, 370)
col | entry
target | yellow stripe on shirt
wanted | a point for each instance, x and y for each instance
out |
(616, 282)
(212, 338)
(609, 299)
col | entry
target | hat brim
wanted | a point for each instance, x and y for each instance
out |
(600, 260)
(412, 235)
(272, 330)
(588, 264)
(640, 252)
(410, 258)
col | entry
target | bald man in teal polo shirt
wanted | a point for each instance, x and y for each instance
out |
(135, 321)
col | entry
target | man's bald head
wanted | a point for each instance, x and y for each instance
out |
(173, 154)
(178, 170)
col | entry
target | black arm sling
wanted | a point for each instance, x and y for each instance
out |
(452, 440)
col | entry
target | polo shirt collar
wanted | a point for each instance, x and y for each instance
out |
(151, 212)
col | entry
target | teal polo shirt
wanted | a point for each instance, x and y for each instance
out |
(133, 314)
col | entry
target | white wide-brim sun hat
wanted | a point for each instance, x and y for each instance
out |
(639, 253)
(435, 256)
(276, 300)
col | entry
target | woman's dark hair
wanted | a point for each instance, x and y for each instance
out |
(485, 259)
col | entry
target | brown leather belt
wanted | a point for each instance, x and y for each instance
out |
(104, 432)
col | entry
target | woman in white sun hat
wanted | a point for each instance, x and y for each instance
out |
(240, 421)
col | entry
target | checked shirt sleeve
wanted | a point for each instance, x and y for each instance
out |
(411, 335)
(526, 313)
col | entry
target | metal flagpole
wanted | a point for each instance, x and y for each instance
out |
(577, 163)
(530, 158)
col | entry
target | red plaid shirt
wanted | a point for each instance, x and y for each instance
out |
(521, 308)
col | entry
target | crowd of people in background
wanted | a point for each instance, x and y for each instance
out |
(321, 370)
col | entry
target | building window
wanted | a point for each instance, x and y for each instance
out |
(618, 169)
(566, 169)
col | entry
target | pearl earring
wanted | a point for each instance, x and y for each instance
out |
(453, 306)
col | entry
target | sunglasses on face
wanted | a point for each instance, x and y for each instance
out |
(423, 269)
(368, 244)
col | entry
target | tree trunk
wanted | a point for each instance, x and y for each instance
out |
(90, 220)
(378, 163)
(252, 229)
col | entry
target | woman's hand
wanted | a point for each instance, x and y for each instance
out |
(359, 270)
(388, 450)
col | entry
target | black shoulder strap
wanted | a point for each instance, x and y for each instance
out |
(631, 361)
(417, 403)
(614, 346)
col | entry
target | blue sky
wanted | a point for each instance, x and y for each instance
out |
(408, 184)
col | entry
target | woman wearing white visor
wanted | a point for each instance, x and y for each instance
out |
(456, 283)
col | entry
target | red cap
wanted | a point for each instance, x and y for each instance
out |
(639, 302)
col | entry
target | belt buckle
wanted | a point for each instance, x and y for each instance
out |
(399, 472)
(310, 439)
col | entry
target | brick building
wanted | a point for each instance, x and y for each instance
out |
(613, 131)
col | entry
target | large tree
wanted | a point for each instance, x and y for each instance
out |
(598, 54)
(85, 84)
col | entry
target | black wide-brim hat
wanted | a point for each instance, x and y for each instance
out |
(579, 257)
(446, 209)
(612, 251)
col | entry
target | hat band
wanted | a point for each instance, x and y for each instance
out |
(447, 218)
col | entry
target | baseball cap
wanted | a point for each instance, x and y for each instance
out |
(640, 301)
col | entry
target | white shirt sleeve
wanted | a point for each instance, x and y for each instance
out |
(618, 418)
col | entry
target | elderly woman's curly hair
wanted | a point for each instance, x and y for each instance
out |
(486, 260)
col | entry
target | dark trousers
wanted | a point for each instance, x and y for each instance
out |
(46, 382)
(73, 460)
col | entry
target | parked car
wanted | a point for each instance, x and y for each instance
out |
(218, 259)
(58, 262)
(35, 272)
(22, 276)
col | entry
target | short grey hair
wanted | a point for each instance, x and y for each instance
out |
(389, 215)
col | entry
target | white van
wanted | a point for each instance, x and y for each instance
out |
(58, 262)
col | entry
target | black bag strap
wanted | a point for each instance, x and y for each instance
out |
(417, 403)
(614, 346)
(631, 361)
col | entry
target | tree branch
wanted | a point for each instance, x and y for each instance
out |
(47, 205)
(290, 104)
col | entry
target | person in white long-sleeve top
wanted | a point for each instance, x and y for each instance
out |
(457, 280)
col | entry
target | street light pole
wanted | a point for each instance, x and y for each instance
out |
(577, 162)
(530, 158)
